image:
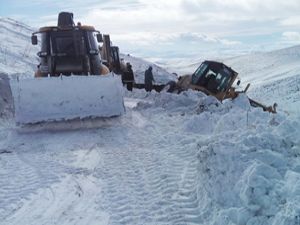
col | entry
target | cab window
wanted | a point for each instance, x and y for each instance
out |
(200, 72)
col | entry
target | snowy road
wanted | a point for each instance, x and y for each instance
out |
(130, 171)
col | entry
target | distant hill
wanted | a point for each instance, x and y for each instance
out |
(257, 68)
(274, 76)
(263, 68)
(140, 65)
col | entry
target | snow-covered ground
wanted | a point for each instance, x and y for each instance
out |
(171, 159)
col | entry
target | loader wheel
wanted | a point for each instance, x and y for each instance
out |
(38, 73)
(104, 70)
(171, 86)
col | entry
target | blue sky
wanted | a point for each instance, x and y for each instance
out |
(175, 28)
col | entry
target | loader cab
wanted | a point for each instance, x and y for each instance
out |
(213, 78)
(116, 62)
(68, 49)
(110, 55)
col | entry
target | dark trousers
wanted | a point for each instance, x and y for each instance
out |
(148, 86)
(129, 86)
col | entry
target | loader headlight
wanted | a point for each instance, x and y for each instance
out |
(42, 54)
(93, 52)
(44, 69)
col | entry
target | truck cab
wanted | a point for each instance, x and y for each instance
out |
(212, 78)
(68, 49)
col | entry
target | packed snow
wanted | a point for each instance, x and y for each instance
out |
(170, 159)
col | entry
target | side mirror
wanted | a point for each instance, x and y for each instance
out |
(34, 40)
(99, 37)
(93, 52)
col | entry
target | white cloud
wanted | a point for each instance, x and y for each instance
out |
(154, 38)
(292, 37)
(291, 21)
(144, 24)
(206, 16)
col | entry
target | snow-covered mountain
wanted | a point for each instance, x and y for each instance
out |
(17, 55)
(171, 159)
(161, 75)
(274, 76)
(269, 67)
(257, 68)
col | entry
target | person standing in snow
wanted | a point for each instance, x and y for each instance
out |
(128, 77)
(148, 79)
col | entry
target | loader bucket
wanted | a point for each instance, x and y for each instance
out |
(67, 97)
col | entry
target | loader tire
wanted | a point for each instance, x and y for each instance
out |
(172, 86)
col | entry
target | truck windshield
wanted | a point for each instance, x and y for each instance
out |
(68, 43)
(93, 45)
(223, 79)
(199, 73)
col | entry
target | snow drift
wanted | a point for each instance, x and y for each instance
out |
(248, 160)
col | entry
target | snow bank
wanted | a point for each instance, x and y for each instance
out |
(249, 168)
(285, 92)
(6, 103)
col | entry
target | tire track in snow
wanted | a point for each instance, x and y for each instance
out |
(23, 173)
(138, 171)
(21, 182)
(149, 180)
(70, 201)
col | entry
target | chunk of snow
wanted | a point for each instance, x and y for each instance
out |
(242, 101)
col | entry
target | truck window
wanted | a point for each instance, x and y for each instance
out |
(199, 73)
(68, 43)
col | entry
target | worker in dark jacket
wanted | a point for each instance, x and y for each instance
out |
(148, 79)
(128, 77)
